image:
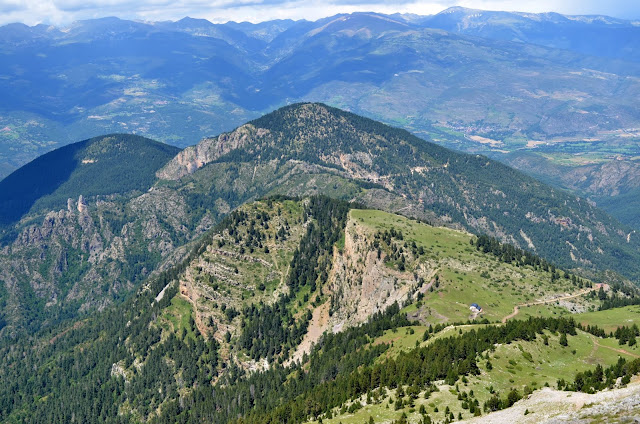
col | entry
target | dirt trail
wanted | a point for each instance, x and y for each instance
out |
(74, 327)
(516, 309)
(620, 350)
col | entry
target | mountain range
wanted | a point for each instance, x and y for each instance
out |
(593, 35)
(304, 263)
(562, 88)
(117, 208)
(267, 274)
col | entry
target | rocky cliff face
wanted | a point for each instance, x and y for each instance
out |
(82, 257)
(209, 149)
(235, 271)
(361, 284)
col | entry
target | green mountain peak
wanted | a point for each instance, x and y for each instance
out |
(104, 165)
(396, 171)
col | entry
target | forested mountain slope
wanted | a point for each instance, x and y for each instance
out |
(76, 255)
(115, 164)
(613, 185)
(402, 172)
(261, 323)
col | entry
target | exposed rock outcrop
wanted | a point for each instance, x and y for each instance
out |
(360, 284)
(80, 254)
(209, 149)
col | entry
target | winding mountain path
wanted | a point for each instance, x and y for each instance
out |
(516, 309)
(618, 350)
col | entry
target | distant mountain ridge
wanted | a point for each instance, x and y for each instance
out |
(593, 35)
(181, 81)
(494, 83)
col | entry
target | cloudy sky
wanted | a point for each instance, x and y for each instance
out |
(63, 12)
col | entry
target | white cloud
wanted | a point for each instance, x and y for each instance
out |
(629, 9)
(312, 10)
(62, 12)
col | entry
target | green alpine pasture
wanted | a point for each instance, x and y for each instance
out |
(465, 276)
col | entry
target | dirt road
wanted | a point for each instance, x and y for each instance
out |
(516, 309)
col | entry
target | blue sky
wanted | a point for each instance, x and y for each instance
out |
(63, 12)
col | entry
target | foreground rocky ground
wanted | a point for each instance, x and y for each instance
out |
(551, 406)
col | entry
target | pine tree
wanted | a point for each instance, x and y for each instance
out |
(563, 340)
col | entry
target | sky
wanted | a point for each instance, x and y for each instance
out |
(64, 12)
